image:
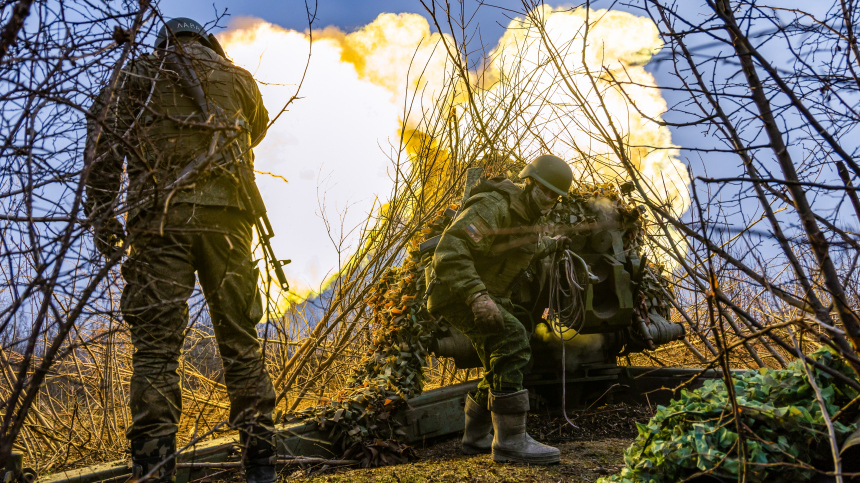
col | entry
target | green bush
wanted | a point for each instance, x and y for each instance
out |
(784, 428)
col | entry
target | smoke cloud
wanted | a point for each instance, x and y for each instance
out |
(332, 144)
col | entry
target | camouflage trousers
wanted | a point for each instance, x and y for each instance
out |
(504, 355)
(165, 253)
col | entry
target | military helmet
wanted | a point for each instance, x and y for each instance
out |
(550, 171)
(178, 26)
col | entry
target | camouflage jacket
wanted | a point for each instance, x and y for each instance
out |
(490, 243)
(157, 129)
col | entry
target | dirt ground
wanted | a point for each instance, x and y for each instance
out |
(594, 449)
(583, 461)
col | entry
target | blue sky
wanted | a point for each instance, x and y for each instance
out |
(346, 14)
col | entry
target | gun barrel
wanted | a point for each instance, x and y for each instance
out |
(282, 277)
(264, 230)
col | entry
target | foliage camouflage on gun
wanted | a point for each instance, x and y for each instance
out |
(361, 415)
(594, 206)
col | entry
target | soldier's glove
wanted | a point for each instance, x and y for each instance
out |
(561, 242)
(488, 317)
(109, 236)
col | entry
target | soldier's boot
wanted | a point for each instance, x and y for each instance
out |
(511, 442)
(148, 454)
(260, 458)
(478, 437)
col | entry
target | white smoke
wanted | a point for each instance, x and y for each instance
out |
(331, 145)
(614, 48)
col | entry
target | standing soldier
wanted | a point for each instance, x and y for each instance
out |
(179, 224)
(477, 262)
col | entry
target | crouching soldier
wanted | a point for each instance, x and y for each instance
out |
(476, 262)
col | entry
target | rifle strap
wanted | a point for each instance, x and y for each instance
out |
(192, 86)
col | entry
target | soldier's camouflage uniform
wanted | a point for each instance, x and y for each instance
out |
(202, 229)
(487, 247)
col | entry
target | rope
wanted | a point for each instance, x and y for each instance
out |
(564, 285)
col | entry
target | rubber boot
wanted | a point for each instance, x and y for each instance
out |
(260, 456)
(477, 438)
(146, 454)
(261, 471)
(511, 442)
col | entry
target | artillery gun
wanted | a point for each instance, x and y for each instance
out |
(609, 302)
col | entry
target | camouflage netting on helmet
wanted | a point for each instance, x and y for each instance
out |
(785, 430)
(360, 420)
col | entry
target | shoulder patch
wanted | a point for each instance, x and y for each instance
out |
(477, 229)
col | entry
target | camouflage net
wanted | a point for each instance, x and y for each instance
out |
(594, 206)
(360, 418)
(785, 432)
(590, 206)
(361, 415)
